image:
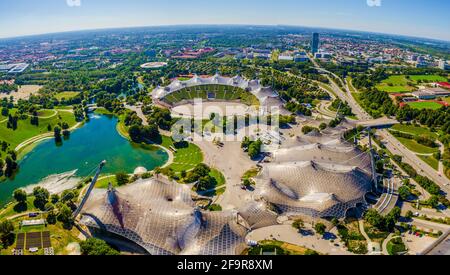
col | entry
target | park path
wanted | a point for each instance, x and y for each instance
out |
(41, 137)
(385, 242)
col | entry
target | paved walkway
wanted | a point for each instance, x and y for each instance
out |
(42, 137)
(385, 242)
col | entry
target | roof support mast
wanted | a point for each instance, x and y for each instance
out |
(372, 154)
(90, 188)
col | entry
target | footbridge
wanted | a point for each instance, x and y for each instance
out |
(379, 123)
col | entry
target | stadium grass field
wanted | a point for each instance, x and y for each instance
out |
(212, 92)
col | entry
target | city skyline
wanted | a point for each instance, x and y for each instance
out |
(410, 18)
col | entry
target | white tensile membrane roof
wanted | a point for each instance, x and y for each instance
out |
(314, 179)
(161, 217)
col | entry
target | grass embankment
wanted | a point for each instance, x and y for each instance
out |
(26, 131)
(414, 130)
(414, 146)
(431, 161)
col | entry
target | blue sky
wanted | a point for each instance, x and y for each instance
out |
(423, 18)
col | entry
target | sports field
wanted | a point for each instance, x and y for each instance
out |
(405, 84)
(425, 105)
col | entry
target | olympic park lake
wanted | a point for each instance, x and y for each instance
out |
(78, 156)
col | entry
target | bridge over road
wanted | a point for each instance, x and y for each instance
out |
(383, 122)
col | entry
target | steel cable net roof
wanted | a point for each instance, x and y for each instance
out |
(315, 179)
(333, 153)
(162, 218)
(256, 215)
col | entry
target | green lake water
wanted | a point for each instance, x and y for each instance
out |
(96, 141)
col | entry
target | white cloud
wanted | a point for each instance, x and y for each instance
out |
(374, 3)
(73, 3)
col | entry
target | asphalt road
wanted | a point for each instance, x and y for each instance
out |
(392, 144)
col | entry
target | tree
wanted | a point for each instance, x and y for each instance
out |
(7, 233)
(96, 247)
(20, 196)
(135, 133)
(57, 134)
(433, 201)
(404, 192)
(298, 224)
(409, 214)
(41, 197)
(320, 228)
(255, 149)
(65, 216)
(374, 218)
(122, 178)
(5, 111)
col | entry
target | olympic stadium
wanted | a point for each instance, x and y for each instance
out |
(218, 89)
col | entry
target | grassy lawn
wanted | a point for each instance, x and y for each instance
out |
(13, 209)
(102, 111)
(103, 182)
(66, 95)
(414, 130)
(281, 248)
(26, 131)
(395, 84)
(425, 105)
(218, 176)
(396, 246)
(185, 158)
(416, 147)
(430, 160)
(214, 193)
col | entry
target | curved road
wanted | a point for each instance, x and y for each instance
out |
(392, 143)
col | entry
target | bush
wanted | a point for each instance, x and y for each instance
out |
(122, 178)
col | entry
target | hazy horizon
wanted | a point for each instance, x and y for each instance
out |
(415, 18)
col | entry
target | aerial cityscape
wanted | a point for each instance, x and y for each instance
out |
(222, 133)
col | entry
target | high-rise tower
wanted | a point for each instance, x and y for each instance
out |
(315, 43)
